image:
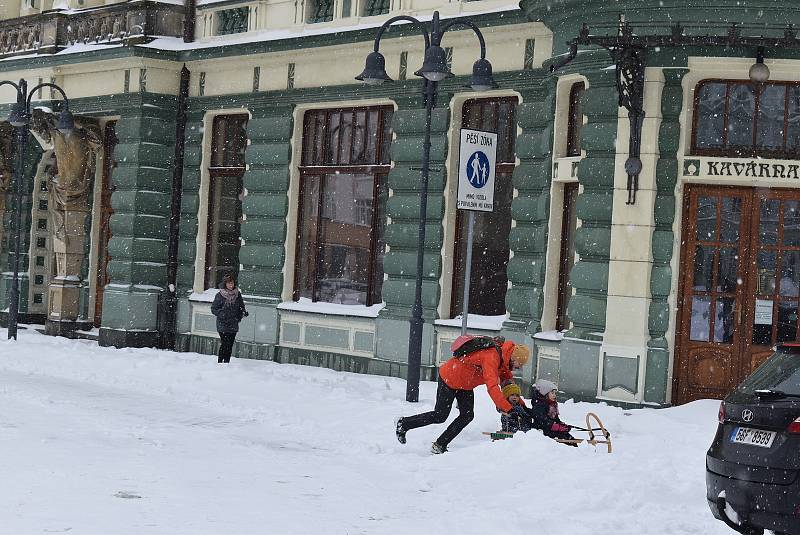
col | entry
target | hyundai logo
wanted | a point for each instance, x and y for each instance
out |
(747, 415)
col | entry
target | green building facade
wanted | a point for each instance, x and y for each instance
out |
(306, 184)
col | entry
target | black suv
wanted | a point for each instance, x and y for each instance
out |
(753, 466)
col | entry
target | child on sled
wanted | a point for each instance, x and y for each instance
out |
(544, 412)
(513, 421)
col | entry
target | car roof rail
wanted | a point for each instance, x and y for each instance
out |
(789, 347)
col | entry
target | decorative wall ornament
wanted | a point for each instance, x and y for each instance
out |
(628, 44)
(76, 161)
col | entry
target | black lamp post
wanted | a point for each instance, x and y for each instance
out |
(20, 119)
(434, 69)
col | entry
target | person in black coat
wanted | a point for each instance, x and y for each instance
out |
(228, 307)
(544, 412)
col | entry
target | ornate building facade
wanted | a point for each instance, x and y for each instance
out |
(646, 251)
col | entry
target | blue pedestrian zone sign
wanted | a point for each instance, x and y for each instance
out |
(476, 170)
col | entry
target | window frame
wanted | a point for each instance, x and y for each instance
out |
(379, 171)
(752, 151)
(501, 168)
(216, 173)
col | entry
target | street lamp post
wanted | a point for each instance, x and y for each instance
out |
(434, 69)
(20, 119)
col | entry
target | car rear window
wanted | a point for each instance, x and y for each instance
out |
(780, 372)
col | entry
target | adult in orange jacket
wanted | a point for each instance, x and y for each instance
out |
(458, 377)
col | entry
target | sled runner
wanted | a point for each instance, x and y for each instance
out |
(603, 437)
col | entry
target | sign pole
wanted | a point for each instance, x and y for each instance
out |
(467, 272)
(476, 170)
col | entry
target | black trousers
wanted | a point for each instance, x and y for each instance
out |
(226, 346)
(444, 403)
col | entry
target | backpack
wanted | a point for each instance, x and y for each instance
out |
(466, 344)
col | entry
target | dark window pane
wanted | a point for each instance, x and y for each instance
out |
(731, 218)
(225, 212)
(741, 107)
(724, 320)
(38, 298)
(768, 221)
(567, 253)
(576, 120)
(787, 321)
(790, 274)
(41, 224)
(41, 242)
(703, 268)
(700, 326)
(707, 218)
(334, 138)
(766, 273)
(727, 279)
(346, 237)
(771, 115)
(791, 223)
(793, 134)
(308, 226)
(38, 280)
(228, 141)
(40, 261)
(711, 116)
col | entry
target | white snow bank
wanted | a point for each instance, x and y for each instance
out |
(98, 441)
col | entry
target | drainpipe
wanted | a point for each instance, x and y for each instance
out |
(189, 20)
(171, 302)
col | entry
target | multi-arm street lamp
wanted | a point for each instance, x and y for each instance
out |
(434, 69)
(20, 119)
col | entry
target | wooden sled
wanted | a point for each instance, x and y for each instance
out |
(594, 439)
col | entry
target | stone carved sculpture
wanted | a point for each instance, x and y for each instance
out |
(76, 160)
(76, 155)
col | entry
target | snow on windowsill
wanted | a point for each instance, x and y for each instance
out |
(552, 336)
(334, 309)
(476, 321)
(204, 297)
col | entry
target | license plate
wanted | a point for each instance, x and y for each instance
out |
(753, 437)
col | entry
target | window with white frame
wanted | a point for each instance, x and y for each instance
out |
(343, 191)
(228, 144)
(490, 251)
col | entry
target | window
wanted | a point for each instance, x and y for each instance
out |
(41, 224)
(376, 7)
(567, 254)
(320, 11)
(228, 143)
(488, 280)
(343, 193)
(737, 118)
(41, 242)
(575, 119)
(233, 20)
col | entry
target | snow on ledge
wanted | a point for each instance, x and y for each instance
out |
(306, 305)
(204, 297)
(552, 336)
(476, 321)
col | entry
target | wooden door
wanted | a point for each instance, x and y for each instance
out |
(103, 258)
(712, 298)
(739, 285)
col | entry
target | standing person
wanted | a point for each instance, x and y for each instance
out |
(228, 307)
(458, 377)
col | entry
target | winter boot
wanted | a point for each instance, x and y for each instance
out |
(436, 448)
(400, 431)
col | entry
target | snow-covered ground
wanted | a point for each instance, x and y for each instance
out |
(138, 441)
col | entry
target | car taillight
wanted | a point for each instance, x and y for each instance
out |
(794, 427)
(721, 416)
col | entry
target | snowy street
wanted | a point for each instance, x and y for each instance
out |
(138, 441)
